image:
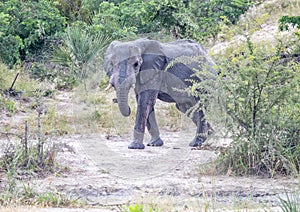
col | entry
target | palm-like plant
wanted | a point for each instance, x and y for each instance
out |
(78, 50)
(291, 203)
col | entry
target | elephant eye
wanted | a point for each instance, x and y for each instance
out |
(135, 65)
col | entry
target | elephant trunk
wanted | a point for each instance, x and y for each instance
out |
(123, 101)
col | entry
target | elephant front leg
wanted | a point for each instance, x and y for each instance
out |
(153, 130)
(139, 128)
(146, 101)
(137, 142)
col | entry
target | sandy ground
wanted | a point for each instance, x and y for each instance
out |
(106, 175)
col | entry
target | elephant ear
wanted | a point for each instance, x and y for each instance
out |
(154, 62)
(135, 51)
(109, 57)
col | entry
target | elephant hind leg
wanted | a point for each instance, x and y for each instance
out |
(204, 129)
(157, 142)
(202, 134)
(211, 131)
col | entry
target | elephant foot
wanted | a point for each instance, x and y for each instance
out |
(197, 141)
(136, 145)
(210, 131)
(157, 142)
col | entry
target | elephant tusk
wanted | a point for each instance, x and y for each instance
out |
(133, 86)
(108, 87)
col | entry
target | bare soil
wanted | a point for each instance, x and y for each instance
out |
(102, 172)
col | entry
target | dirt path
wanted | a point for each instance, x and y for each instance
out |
(105, 174)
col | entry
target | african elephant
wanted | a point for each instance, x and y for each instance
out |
(149, 67)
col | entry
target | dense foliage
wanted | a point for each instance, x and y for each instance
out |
(286, 21)
(185, 18)
(262, 86)
(26, 27)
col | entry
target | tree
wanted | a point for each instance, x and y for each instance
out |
(26, 27)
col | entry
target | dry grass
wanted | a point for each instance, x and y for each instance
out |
(260, 23)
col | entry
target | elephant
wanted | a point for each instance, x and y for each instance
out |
(150, 68)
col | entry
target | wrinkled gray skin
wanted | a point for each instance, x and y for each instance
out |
(143, 65)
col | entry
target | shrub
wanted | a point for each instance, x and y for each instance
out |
(26, 26)
(286, 21)
(210, 14)
(139, 208)
(113, 20)
(134, 208)
(70, 9)
(184, 19)
(262, 92)
(9, 49)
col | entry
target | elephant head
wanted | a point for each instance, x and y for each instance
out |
(122, 64)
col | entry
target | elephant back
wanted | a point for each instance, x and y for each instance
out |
(183, 47)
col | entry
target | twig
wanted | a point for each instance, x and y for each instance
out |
(12, 85)
(39, 137)
(26, 143)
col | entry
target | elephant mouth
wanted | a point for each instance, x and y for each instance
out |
(110, 85)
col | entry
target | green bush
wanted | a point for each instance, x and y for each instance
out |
(111, 20)
(184, 19)
(139, 208)
(26, 27)
(210, 14)
(9, 49)
(70, 9)
(262, 103)
(29, 26)
(134, 208)
(286, 21)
